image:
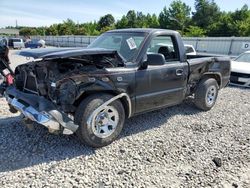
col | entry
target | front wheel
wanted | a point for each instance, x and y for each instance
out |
(206, 94)
(102, 127)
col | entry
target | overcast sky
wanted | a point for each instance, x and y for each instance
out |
(47, 12)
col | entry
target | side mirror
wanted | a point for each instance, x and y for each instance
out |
(155, 59)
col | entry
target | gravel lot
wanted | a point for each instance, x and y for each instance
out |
(174, 147)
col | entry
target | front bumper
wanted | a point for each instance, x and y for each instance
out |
(40, 110)
(240, 79)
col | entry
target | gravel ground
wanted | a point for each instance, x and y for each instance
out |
(174, 147)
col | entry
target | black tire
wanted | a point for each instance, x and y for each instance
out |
(202, 91)
(85, 132)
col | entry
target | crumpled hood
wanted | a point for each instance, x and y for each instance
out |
(240, 67)
(38, 53)
(53, 53)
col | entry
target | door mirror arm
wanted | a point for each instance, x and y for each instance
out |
(144, 63)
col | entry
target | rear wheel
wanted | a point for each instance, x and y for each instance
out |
(206, 94)
(102, 127)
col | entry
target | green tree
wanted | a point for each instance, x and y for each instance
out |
(207, 12)
(68, 27)
(123, 23)
(41, 31)
(152, 21)
(91, 28)
(80, 31)
(242, 21)
(180, 12)
(52, 30)
(106, 21)
(141, 20)
(225, 26)
(108, 28)
(63, 29)
(231, 23)
(244, 28)
(131, 16)
(242, 14)
(164, 20)
(176, 17)
(195, 31)
(28, 31)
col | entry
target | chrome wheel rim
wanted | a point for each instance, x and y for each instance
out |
(105, 121)
(211, 95)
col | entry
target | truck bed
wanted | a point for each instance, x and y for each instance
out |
(220, 65)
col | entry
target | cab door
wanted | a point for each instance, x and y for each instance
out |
(161, 85)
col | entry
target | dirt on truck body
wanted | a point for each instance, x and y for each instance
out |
(123, 73)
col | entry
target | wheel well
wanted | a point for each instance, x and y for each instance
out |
(217, 77)
(89, 93)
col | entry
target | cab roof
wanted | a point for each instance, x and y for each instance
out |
(142, 30)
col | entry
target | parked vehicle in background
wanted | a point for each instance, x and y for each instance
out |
(190, 50)
(35, 44)
(4, 41)
(240, 72)
(42, 42)
(91, 91)
(169, 47)
(16, 43)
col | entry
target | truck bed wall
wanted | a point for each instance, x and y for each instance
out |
(200, 65)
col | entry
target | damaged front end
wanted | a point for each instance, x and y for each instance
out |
(46, 91)
(38, 109)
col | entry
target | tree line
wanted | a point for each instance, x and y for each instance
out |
(206, 20)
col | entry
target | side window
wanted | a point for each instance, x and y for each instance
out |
(164, 45)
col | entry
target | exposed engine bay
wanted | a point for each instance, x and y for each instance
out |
(59, 79)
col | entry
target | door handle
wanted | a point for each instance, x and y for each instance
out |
(179, 72)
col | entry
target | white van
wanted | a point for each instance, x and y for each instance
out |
(16, 43)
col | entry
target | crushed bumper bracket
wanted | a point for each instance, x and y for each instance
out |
(40, 110)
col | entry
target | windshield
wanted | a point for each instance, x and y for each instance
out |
(243, 58)
(127, 44)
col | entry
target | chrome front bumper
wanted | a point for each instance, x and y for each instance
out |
(31, 113)
(41, 111)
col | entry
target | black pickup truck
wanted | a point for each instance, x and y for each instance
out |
(123, 73)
